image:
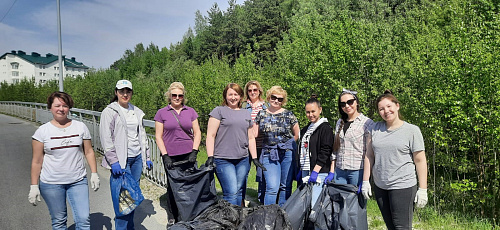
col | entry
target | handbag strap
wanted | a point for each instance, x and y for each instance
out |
(188, 133)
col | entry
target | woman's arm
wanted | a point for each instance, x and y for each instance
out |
(105, 129)
(90, 155)
(252, 146)
(197, 134)
(36, 162)
(213, 126)
(421, 167)
(296, 131)
(159, 137)
(369, 160)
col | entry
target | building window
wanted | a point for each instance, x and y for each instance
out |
(42, 74)
(15, 81)
(14, 65)
(15, 73)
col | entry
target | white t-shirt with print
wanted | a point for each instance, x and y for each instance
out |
(63, 159)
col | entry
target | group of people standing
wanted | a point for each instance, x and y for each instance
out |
(245, 128)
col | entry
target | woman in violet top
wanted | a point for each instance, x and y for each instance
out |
(316, 146)
(58, 165)
(254, 104)
(397, 152)
(351, 141)
(124, 141)
(229, 139)
(280, 129)
(173, 125)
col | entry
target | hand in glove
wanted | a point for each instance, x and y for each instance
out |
(210, 162)
(421, 198)
(94, 181)
(257, 163)
(149, 164)
(34, 194)
(329, 177)
(167, 161)
(193, 155)
(313, 177)
(116, 169)
(366, 189)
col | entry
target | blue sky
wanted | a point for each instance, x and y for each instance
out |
(96, 32)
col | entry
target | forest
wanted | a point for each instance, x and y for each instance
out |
(439, 57)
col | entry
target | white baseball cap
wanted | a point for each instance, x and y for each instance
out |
(124, 84)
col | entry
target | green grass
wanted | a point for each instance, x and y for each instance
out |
(423, 219)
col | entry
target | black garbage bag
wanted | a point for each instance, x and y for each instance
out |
(197, 224)
(193, 189)
(298, 206)
(222, 212)
(339, 207)
(269, 217)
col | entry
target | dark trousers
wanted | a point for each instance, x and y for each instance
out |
(396, 207)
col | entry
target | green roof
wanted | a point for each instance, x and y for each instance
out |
(36, 58)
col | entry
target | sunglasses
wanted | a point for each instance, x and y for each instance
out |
(253, 90)
(280, 99)
(177, 95)
(348, 102)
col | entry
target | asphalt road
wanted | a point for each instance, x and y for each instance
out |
(15, 210)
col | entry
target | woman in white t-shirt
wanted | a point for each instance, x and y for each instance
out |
(58, 169)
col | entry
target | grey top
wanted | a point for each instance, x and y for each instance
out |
(393, 149)
(231, 141)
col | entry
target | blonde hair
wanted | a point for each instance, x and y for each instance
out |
(256, 83)
(277, 90)
(175, 85)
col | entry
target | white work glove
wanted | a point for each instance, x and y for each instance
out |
(366, 189)
(34, 194)
(305, 179)
(421, 198)
(94, 181)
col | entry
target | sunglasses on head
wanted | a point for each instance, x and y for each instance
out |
(280, 99)
(177, 95)
(348, 102)
(253, 90)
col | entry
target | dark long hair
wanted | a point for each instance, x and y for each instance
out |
(343, 118)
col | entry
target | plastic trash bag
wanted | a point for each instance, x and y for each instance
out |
(126, 194)
(298, 206)
(340, 206)
(269, 217)
(193, 189)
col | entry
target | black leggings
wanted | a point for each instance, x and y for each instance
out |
(396, 206)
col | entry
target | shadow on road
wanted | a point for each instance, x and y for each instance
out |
(97, 221)
(146, 209)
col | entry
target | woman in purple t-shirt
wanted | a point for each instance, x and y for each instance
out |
(177, 135)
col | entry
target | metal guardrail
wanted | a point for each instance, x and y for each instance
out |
(38, 112)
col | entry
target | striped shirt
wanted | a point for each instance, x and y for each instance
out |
(352, 144)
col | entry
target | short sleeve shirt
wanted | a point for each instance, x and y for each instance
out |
(176, 141)
(231, 141)
(393, 149)
(63, 159)
(276, 128)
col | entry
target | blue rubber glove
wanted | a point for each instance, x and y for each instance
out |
(329, 177)
(116, 169)
(313, 177)
(298, 178)
(149, 164)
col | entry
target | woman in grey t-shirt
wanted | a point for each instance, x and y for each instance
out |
(397, 151)
(229, 139)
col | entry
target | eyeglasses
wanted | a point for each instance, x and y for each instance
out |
(253, 90)
(280, 99)
(177, 95)
(348, 102)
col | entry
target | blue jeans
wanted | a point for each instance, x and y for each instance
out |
(78, 197)
(134, 167)
(354, 177)
(316, 189)
(278, 177)
(232, 174)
